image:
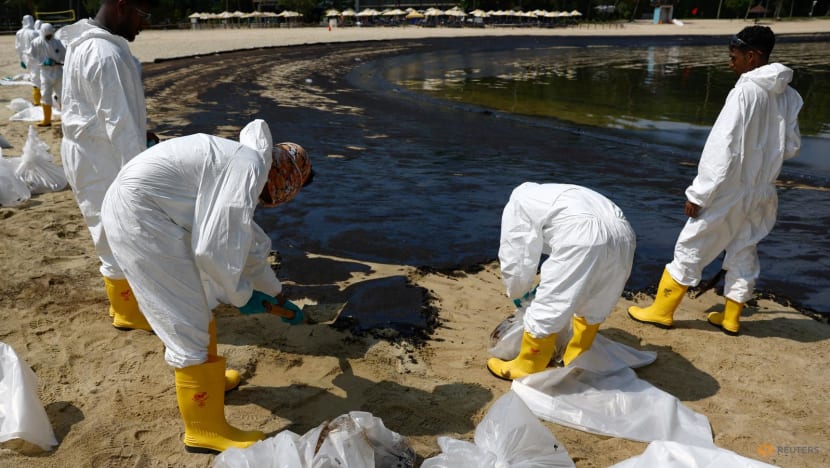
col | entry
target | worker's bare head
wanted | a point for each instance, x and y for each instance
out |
(290, 171)
(750, 48)
(125, 18)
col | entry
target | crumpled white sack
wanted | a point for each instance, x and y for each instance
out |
(21, 413)
(666, 454)
(509, 436)
(33, 114)
(353, 440)
(36, 168)
(13, 191)
(615, 404)
(19, 104)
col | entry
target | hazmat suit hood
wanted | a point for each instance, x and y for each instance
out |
(257, 136)
(28, 21)
(83, 30)
(772, 77)
(46, 29)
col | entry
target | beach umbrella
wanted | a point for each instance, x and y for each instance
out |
(414, 15)
(575, 13)
(455, 11)
(195, 15)
(332, 12)
(367, 12)
(225, 15)
(348, 12)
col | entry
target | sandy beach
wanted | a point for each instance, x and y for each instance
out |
(110, 395)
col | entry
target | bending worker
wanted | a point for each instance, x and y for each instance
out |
(590, 248)
(732, 203)
(104, 122)
(179, 218)
(50, 53)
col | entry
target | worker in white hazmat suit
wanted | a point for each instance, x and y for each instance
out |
(23, 44)
(50, 53)
(732, 203)
(590, 248)
(179, 218)
(104, 121)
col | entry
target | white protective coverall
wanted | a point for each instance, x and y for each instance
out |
(23, 39)
(757, 129)
(104, 121)
(50, 75)
(590, 246)
(179, 218)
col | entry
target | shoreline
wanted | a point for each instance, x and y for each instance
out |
(152, 45)
(756, 389)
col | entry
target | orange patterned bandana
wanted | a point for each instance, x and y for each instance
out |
(289, 170)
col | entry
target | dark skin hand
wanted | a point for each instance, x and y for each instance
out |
(692, 210)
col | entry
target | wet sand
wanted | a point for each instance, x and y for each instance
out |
(110, 396)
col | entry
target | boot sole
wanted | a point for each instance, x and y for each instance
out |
(497, 375)
(656, 324)
(126, 329)
(203, 450)
(728, 332)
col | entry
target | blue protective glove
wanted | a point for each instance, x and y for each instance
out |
(254, 305)
(22, 65)
(48, 62)
(526, 299)
(298, 313)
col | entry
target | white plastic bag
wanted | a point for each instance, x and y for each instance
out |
(665, 454)
(506, 338)
(36, 168)
(615, 404)
(21, 414)
(33, 114)
(508, 436)
(13, 191)
(19, 104)
(354, 440)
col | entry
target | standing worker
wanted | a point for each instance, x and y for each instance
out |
(50, 53)
(23, 43)
(104, 125)
(732, 203)
(590, 248)
(179, 218)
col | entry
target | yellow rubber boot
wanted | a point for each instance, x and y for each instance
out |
(661, 313)
(47, 116)
(232, 377)
(730, 319)
(35, 96)
(533, 357)
(123, 306)
(582, 339)
(201, 396)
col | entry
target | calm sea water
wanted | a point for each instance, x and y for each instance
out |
(420, 168)
(661, 94)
